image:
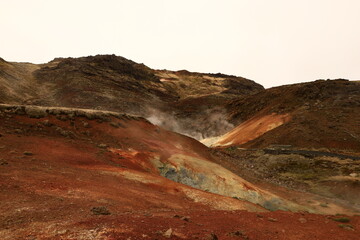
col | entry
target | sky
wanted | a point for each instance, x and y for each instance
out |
(273, 42)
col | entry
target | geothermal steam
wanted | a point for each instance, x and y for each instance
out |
(209, 123)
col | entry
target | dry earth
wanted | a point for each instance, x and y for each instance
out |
(95, 174)
(79, 174)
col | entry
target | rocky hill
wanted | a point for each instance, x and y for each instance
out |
(109, 82)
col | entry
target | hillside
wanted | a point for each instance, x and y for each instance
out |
(80, 174)
(109, 82)
(320, 114)
(303, 136)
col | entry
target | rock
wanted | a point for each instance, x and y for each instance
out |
(1, 135)
(212, 236)
(47, 123)
(28, 153)
(100, 211)
(71, 116)
(114, 124)
(238, 234)
(302, 220)
(89, 115)
(62, 117)
(185, 218)
(18, 131)
(35, 112)
(102, 145)
(180, 235)
(353, 174)
(61, 232)
(86, 125)
(3, 163)
(272, 219)
(64, 132)
(168, 233)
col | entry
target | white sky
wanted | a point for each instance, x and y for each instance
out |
(272, 42)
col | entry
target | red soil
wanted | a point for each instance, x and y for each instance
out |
(49, 183)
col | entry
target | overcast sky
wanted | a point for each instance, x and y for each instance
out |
(272, 42)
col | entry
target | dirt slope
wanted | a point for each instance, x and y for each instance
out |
(321, 114)
(64, 170)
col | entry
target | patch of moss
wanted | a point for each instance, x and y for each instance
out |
(342, 219)
(346, 226)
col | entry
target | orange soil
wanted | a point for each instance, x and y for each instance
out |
(252, 129)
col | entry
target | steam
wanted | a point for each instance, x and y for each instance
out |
(209, 123)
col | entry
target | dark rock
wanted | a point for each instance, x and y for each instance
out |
(238, 234)
(212, 236)
(3, 163)
(185, 218)
(28, 153)
(114, 124)
(100, 211)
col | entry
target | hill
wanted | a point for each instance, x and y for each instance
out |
(320, 114)
(80, 174)
(109, 82)
(303, 136)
